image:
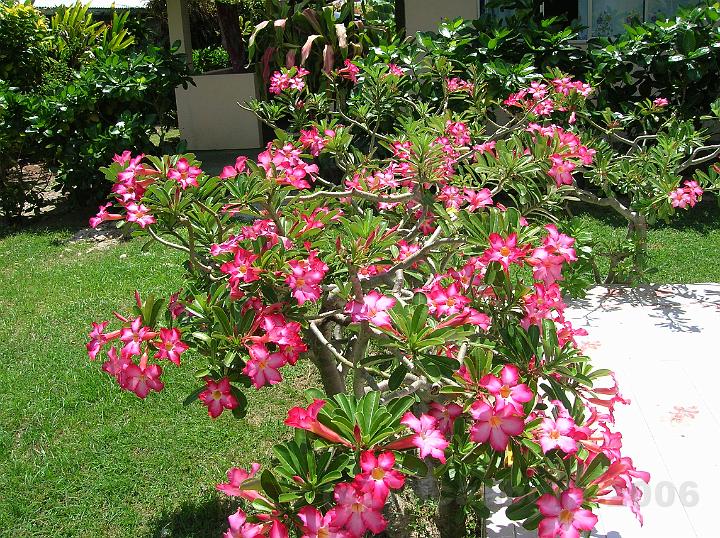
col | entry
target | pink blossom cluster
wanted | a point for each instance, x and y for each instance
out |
(286, 166)
(272, 343)
(264, 228)
(616, 486)
(542, 99)
(133, 181)
(311, 140)
(288, 79)
(373, 308)
(374, 181)
(499, 414)
(138, 340)
(350, 71)
(305, 278)
(358, 504)
(456, 84)
(570, 152)
(688, 195)
(472, 200)
(547, 260)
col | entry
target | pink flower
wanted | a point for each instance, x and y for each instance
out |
(236, 478)
(141, 378)
(103, 216)
(134, 335)
(428, 438)
(311, 139)
(546, 266)
(357, 512)
(115, 366)
(378, 476)
(544, 107)
(373, 309)
(97, 339)
(661, 102)
(184, 173)
(305, 278)
(619, 479)
(306, 419)
(395, 70)
(496, 425)
(286, 166)
(170, 346)
(315, 525)
(506, 389)
(692, 187)
(139, 214)
(350, 71)
(477, 199)
(446, 301)
(241, 269)
(217, 396)
(561, 171)
(503, 251)
(232, 171)
(239, 528)
(175, 307)
(558, 243)
(456, 84)
(288, 79)
(445, 415)
(263, 367)
(564, 516)
(558, 434)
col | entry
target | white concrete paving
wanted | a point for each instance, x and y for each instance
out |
(663, 342)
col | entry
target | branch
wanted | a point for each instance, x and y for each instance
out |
(165, 242)
(693, 161)
(388, 276)
(363, 127)
(590, 198)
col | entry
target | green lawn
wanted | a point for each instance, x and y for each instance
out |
(685, 251)
(80, 457)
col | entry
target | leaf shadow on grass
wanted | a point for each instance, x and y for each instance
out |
(65, 218)
(194, 519)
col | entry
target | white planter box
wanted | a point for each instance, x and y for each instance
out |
(209, 116)
(425, 15)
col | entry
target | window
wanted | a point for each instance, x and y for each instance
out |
(607, 18)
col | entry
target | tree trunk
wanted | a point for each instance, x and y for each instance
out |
(232, 39)
(400, 17)
(638, 231)
(323, 359)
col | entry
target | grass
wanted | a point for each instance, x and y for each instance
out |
(685, 251)
(78, 456)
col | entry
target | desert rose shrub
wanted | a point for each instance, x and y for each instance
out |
(422, 278)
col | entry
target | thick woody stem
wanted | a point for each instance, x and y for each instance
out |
(325, 361)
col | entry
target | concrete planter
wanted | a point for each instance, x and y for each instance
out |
(209, 116)
(425, 15)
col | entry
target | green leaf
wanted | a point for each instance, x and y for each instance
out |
(270, 485)
(397, 377)
(193, 396)
(414, 465)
